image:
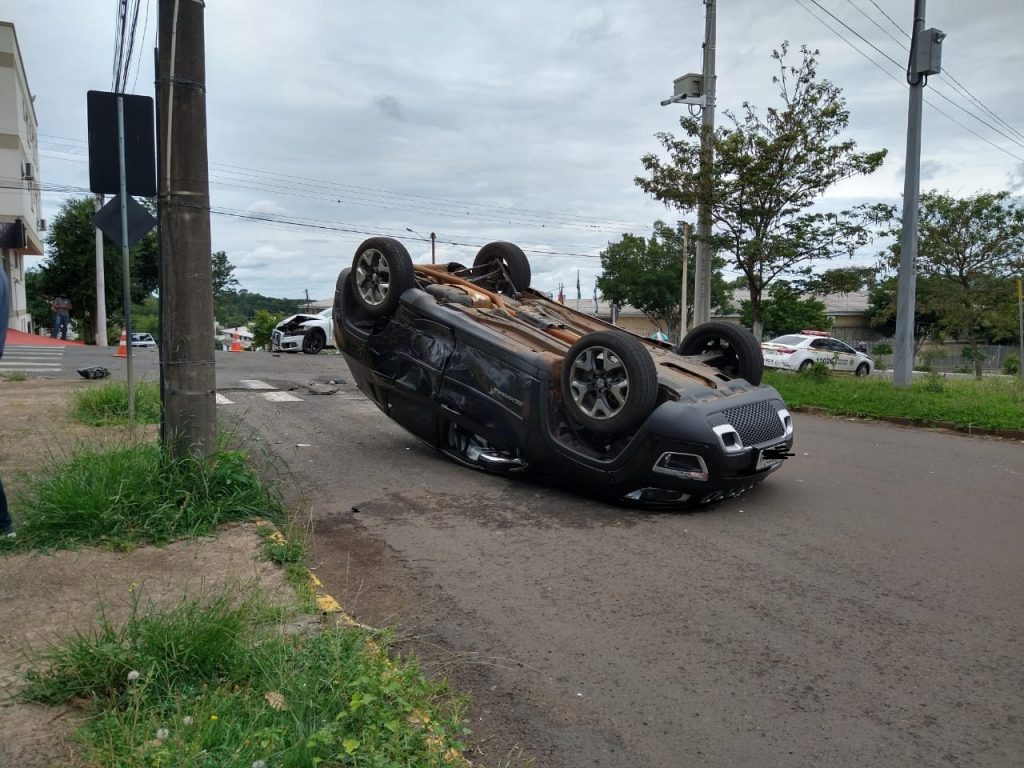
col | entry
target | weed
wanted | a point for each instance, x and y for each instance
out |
(138, 493)
(1011, 365)
(215, 683)
(13, 376)
(817, 371)
(107, 404)
(933, 382)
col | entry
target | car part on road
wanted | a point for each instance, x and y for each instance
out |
(95, 372)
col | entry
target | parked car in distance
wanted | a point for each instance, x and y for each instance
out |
(303, 332)
(799, 351)
(143, 340)
(498, 377)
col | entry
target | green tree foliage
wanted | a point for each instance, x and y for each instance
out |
(262, 325)
(787, 311)
(648, 274)
(223, 274)
(71, 267)
(239, 308)
(767, 174)
(841, 280)
(969, 252)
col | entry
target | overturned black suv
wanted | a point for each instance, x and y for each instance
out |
(499, 377)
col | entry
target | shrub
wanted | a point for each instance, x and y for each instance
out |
(1011, 365)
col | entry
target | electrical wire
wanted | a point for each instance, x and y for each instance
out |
(889, 74)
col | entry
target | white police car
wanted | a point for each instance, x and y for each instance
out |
(799, 351)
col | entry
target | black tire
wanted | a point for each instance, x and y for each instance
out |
(381, 272)
(609, 382)
(805, 366)
(502, 267)
(728, 347)
(862, 370)
(314, 342)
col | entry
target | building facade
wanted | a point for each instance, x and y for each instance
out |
(20, 204)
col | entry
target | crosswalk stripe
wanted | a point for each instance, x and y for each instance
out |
(254, 384)
(221, 400)
(281, 397)
(18, 364)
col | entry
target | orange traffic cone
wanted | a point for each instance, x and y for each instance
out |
(236, 345)
(122, 346)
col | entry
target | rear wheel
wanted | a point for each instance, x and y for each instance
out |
(502, 267)
(805, 366)
(609, 382)
(314, 342)
(381, 272)
(728, 347)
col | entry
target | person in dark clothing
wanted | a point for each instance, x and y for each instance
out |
(6, 524)
(62, 315)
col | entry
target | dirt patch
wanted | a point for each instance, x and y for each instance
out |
(49, 595)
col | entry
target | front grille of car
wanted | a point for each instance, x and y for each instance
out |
(755, 422)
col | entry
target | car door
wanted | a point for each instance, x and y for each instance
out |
(846, 358)
(821, 351)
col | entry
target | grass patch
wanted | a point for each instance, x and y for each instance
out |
(212, 683)
(990, 403)
(107, 404)
(13, 376)
(137, 494)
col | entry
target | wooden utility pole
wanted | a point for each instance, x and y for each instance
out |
(186, 272)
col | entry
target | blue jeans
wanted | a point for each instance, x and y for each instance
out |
(60, 325)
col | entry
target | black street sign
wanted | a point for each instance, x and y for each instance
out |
(139, 149)
(108, 221)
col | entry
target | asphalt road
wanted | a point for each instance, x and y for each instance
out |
(862, 607)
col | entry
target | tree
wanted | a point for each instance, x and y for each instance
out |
(767, 173)
(71, 267)
(223, 275)
(647, 274)
(787, 311)
(262, 326)
(968, 254)
(841, 280)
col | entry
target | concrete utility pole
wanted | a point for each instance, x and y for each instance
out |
(684, 298)
(702, 272)
(101, 281)
(186, 272)
(925, 59)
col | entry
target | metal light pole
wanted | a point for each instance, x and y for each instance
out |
(433, 238)
(684, 297)
(925, 59)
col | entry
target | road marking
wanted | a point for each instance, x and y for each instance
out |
(254, 384)
(221, 400)
(281, 397)
(32, 360)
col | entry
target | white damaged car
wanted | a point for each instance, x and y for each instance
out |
(304, 332)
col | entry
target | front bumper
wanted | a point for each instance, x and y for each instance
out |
(281, 342)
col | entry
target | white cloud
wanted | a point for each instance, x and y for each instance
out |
(484, 121)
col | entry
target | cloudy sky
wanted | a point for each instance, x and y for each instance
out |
(521, 121)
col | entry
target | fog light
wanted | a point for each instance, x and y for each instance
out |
(689, 466)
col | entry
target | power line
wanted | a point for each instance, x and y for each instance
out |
(903, 83)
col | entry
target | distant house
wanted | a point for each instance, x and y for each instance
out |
(226, 335)
(20, 206)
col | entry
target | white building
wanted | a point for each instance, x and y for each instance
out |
(20, 205)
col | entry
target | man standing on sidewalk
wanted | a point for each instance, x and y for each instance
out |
(62, 307)
(6, 525)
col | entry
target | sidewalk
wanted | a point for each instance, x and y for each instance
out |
(22, 339)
